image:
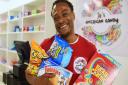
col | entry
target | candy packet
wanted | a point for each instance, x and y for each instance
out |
(60, 51)
(45, 62)
(36, 56)
(62, 75)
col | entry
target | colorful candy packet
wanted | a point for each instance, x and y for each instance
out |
(60, 52)
(62, 75)
(36, 56)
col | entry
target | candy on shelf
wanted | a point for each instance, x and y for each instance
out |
(17, 28)
(36, 28)
(25, 28)
(31, 28)
(42, 27)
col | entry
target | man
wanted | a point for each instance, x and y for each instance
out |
(63, 16)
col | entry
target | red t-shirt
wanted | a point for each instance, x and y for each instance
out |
(83, 50)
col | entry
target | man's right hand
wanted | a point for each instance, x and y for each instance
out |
(31, 79)
(46, 79)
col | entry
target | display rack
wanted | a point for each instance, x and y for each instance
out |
(23, 23)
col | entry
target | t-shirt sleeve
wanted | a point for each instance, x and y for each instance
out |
(46, 43)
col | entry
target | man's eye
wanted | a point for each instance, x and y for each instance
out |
(65, 14)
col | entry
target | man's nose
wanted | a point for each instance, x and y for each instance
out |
(61, 20)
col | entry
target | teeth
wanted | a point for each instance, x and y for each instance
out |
(63, 26)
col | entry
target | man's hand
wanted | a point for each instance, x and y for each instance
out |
(46, 79)
(32, 80)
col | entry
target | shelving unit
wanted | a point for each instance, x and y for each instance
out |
(3, 43)
(23, 23)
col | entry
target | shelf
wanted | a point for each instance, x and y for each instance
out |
(3, 18)
(12, 51)
(1, 73)
(9, 22)
(3, 49)
(1, 83)
(26, 32)
(3, 22)
(33, 32)
(2, 64)
(35, 3)
(3, 33)
(8, 67)
(3, 67)
(34, 15)
(14, 32)
(15, 20)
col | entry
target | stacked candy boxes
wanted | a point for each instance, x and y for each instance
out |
(41, 63)
(101, 70)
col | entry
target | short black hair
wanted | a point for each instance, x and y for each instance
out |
(62, 1)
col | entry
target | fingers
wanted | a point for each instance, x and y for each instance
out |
(31, 79)
(46, 79)
(54, 80)
(49, 79)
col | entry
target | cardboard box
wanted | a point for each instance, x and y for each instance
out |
(101, 70)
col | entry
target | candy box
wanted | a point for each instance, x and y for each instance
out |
(101, 70)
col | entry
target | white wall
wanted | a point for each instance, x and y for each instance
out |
(49, 21)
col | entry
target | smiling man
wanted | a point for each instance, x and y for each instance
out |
(63, 16)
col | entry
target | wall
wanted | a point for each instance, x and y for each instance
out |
(49, 21)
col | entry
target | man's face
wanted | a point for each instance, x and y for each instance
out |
(63, 19)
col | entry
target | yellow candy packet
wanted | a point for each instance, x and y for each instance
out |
(36, 56)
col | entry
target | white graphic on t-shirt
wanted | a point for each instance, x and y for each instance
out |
(79, 63)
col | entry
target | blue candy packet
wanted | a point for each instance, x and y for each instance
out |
(63, 75)
(45, 62)
(60, 51)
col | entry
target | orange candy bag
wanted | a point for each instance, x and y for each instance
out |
(36, 56)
